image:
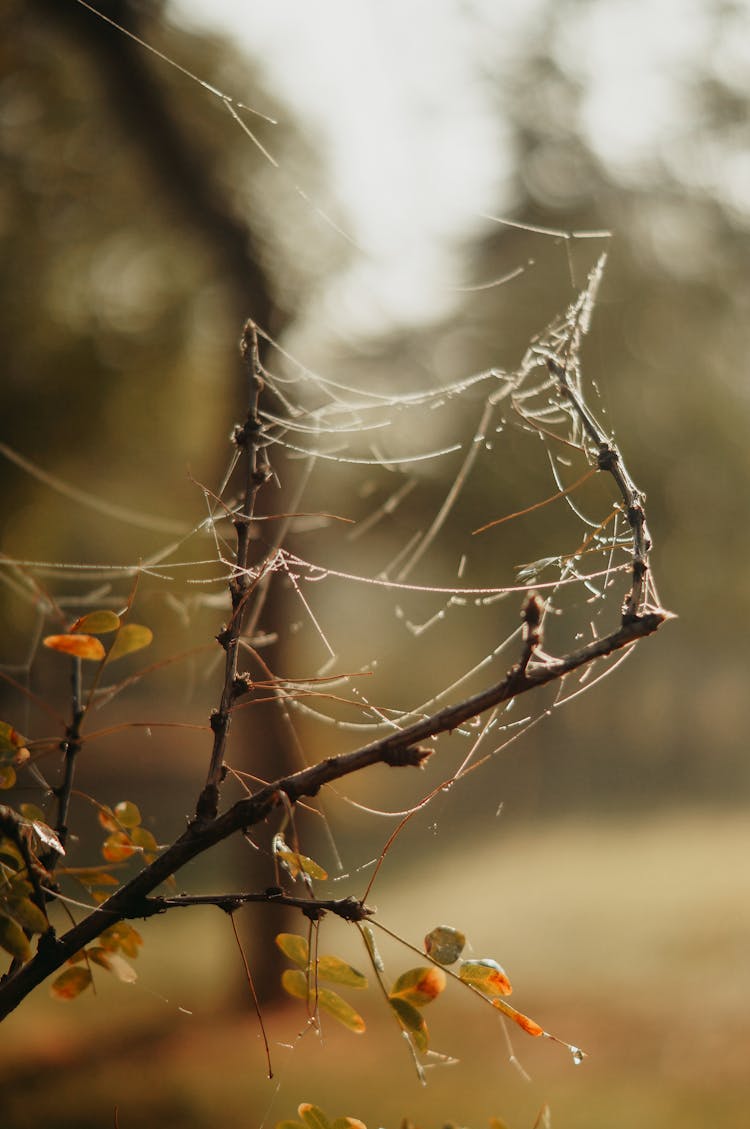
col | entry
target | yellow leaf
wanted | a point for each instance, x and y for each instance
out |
(337, 971)
(13, 939)
(131, 637)
(27, 914)
(419, 986)
(80, 646)
(295, 947)
(127, 814)
(487, 976)
(97, 623)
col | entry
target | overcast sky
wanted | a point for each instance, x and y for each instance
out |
(416, 150)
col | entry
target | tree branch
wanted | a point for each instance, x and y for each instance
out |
(397, 749)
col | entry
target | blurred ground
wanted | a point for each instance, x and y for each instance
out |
(627, 937)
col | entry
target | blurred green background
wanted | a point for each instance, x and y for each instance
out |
(139, 228)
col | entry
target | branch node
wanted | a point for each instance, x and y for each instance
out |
(413, 755)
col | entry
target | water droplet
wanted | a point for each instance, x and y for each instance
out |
(578, 1055)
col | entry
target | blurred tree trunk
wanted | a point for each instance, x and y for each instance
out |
(183, 177)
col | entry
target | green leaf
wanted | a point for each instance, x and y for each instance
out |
(336, 971)
(372, 948)
(348, 1123)
(79, 646)
(419, 986)
(294, 947)
(313, 1117)
(27, 914)
(97, 623)
(487, 976)
(127, 814)
(71, 983)
(444, 944)
(411, 1020)
(298, 864)
(13, 939)
(131, 637)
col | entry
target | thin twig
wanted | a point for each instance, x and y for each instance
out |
(249, 440)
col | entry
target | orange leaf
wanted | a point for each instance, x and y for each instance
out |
(117, 847)
(528, 1025)
(80, 646)
(70, 983)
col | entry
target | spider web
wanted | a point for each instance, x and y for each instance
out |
(412, 524)
(408, 520)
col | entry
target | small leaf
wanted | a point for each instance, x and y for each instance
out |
(71, 983)
(118, 847)
(7, 776)
(419, 986)
(444, 944)
(97, 623)
(12, 744)
(487, 976)
(294, 947)
(336, 971)
(32, 812)
(348, 1123)
(294, 982)
(106, 818)
(113, 962)
(121, 936)
(13, 939)
(411, 1020)
(498, 1123)
(298, 864)
(46, 835)
(143, 838)
(372, 948)
(90, 876)
(131, 637)
(80, 646)
(530, 1026)
(341, 1010)
(27, 914)
(127, 814)
(313, 1117)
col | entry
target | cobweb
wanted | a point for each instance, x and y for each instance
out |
(411, 524)
(406, 522)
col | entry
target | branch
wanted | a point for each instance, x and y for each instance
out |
(348, 909)
(398, 749)
(250, 442)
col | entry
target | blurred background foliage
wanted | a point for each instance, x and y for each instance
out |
(139, 227)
